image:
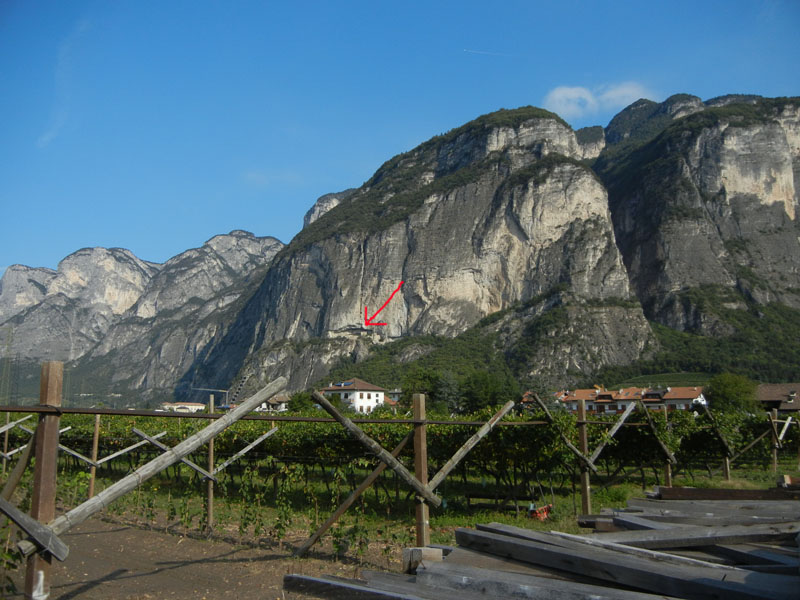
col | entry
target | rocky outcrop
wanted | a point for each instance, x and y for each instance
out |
(188, 303)
(591, 140)
(712, 200)
(126, 324)
(472, 222)
(324, 204)
(61, 315)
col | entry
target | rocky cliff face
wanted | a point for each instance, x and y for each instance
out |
(104, 307)
(324, 204)
(60, 315)
(472, 222)
(501, 217)
(711, 200)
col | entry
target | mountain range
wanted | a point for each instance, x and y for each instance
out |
(669, 237)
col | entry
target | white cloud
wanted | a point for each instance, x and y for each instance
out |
(614, 97)
(63, 85)
(576, 102)
(570, 102)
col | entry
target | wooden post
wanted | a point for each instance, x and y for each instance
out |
(5, 443)
(95, 444)
(775, 441)
(210, 483)
(726, 468)
(667, 474)
(43, 502)
(421, 470)
(586, 499)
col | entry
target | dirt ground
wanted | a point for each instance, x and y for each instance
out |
(122, 561)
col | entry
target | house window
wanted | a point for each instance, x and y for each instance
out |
(369, 396)
(361, 395)
(612, 407)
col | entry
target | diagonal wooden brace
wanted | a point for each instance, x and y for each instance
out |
(44, 537)
(378, 451)
(628, 410)
(245, 450)
(670, 457)
(129, 448)
(69, 451)
(581, 456)
(469, 445)
(166, 448)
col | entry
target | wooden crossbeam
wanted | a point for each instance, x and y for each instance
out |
(245, 450)
(581, 456)
(13, 424)
(44, 537)
(62, 447)
(776, 438)
(129, 448)
(166, 448)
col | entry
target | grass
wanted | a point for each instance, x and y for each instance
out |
(660, 380)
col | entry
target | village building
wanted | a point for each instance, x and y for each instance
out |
(182, 407)
(599, 400)
(276, 404)
(362, 396)
(780, 396)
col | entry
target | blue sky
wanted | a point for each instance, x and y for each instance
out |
(153, 125)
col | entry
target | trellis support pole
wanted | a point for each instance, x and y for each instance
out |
(43, 502)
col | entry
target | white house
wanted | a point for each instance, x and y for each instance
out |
(362, 396)
(183, 407)
(275, 404)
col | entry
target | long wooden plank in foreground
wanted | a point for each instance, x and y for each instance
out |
(495, 584)
(83, 511)
(687, 537)
(683, 493)
(346, 590)
(640, 573)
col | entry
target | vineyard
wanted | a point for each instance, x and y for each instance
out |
(297, 476)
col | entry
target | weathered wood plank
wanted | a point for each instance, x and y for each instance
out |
(687, 537)
(43, 535)
(495, 584)
(340, 590)
(685, 493)
(638, 572)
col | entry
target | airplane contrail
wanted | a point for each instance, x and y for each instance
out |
(486, 53)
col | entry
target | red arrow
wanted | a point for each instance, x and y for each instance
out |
(368, 320)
